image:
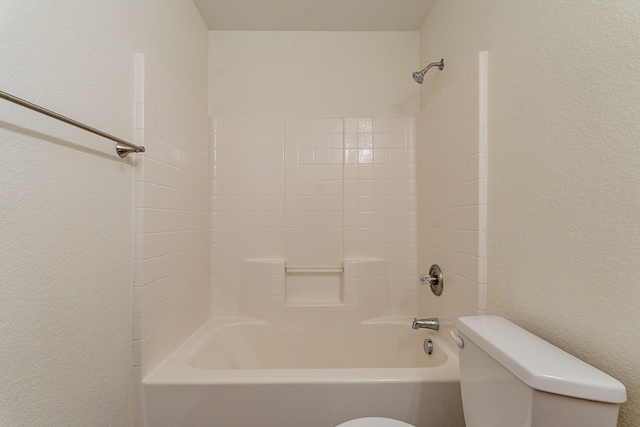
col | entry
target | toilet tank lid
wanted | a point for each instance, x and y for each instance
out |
(538, 363)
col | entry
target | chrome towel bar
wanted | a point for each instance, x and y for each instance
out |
(123, 148)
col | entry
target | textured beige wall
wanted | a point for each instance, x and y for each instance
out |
(66, 205)
(66, 200)
(564, 185)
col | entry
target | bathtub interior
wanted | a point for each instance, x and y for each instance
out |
(259, 345)
(196, 386)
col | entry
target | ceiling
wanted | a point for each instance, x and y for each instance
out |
(314, 15)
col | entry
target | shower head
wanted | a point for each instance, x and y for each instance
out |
(418, 76)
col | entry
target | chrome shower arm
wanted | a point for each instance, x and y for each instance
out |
(439, 64)
(418, 76)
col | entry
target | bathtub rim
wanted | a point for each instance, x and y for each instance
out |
(175, 369)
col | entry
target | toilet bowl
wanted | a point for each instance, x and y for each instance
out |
(508, 377)
(374, 422)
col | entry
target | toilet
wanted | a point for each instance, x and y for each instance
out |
(510, 377)
(374, 422)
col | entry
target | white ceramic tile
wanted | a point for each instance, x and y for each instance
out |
(456, 215)
(322, 197)
(166, 250)
(350, 125)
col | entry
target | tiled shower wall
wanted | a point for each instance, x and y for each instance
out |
(452, 193)
(172, 248)
(309, 193)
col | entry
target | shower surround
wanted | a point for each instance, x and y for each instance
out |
(221, 215)
(232, 211)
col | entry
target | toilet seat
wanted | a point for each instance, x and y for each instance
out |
(374, 422)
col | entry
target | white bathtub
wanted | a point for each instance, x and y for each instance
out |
(246, 373)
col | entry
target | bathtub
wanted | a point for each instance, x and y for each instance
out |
(247, 373)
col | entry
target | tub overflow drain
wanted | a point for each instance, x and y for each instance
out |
(428, 346)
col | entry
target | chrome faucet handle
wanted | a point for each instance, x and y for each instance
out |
(433, 279)
(427, 279)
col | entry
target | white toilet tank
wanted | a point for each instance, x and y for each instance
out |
(510, 377)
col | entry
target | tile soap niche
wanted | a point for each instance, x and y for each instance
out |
(310, 285)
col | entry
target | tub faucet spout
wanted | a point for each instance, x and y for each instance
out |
(433, 324)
